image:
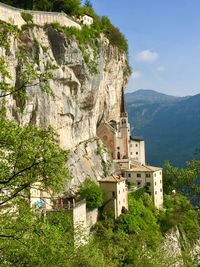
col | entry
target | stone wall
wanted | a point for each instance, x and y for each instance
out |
(91, 217)
(12, 15)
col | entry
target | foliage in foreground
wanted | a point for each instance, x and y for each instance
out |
(93, 194)
(134, 239)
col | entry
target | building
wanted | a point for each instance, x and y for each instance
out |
(115, 193)
(86, 20)
(39, 197)
(151, 177)
(129, 155)
(137, 150)
(116, 136)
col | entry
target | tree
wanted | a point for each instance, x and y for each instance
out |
(183, 180)
(93, 194)
(70, 7)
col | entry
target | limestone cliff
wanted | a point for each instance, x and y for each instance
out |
(80, 100)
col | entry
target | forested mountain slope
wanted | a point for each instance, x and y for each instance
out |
(170, 125)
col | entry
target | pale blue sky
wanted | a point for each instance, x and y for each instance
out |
(164, 42)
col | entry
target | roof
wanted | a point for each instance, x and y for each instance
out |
(112, 179)
(144, 168)
(136, 138)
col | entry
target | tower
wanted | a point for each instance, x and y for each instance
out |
(123, 132)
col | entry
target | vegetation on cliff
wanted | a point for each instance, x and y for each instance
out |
(86, 36)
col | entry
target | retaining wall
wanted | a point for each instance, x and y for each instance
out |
(12, 15)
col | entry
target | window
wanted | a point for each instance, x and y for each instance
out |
(123, 190)
(119, 202)
(138, 174)
(148, 184)
(155, 192)
(138, 183)
(119, 191)
(136, 145)
(160, 172)
(129, 174)
(124, 200)
(118, 147)
(136, 153)
(154, 174)
(148, 175)
(131, 153)
(113, 193)
(160, 189)
(160, 181)
(155, 183)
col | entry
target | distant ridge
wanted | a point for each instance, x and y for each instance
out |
(170, 125)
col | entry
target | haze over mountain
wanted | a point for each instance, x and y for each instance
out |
(170, 125)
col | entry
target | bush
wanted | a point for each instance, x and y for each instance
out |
(27, 17)
(93, 194)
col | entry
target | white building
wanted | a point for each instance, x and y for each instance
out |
(86, 20)
(115, 193)
(151, 177)
(39, 197)
(137, 150)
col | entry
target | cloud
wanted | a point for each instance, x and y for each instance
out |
(136, 75)
(161, 68)
(147, 56)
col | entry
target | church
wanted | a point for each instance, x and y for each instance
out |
(128, 154)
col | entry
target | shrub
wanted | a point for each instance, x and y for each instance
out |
(27, 17)
(93, 194)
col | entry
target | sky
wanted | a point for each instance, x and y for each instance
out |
(164, 42)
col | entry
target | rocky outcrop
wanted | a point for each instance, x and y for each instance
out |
(79, 101)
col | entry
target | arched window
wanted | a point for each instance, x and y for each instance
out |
(118, 155)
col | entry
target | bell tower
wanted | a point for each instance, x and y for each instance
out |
(124, 129)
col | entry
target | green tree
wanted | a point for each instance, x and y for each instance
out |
(93, 194)
(70, 7)
(183, 180)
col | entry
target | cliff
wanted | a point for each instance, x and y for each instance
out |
(79, 100)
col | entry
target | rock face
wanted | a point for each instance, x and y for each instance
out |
(80, 100)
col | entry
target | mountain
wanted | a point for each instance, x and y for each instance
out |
(170, 125)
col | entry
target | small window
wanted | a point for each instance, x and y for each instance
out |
(160, 172)
(123, 190)
(160, 181)
(131, 153)
(138, 183)
(113, 193)
(129, 174)
(119, 191)
(148, 175)
(148, 184)
(138, 174)
(136, 153)
(155, 183)
(160, 189)
(136, 145)
(118, 147)
(119, 202)
(155, 192)
(154, 174)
